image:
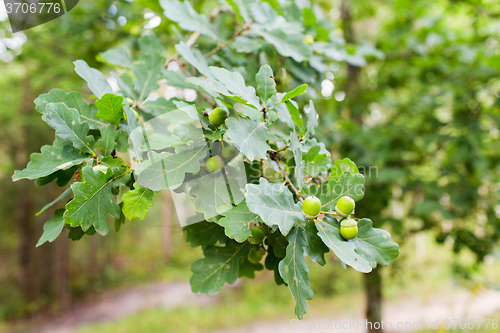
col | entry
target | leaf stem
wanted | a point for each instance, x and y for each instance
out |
(329, 213)
(287, 179)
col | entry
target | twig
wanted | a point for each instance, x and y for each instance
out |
(192, 39)
(226, 43)
(287, 179)
(281, 149)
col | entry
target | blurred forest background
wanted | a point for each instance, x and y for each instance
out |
(413, 100)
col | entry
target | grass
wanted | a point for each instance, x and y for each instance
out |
(336, 291)
(135, 257)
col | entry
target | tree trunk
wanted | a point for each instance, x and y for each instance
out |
(27, 241)
(373, 289)
(167, 224)
(23, 209)
(349, 36)
(373, 280)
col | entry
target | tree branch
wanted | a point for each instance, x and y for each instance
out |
(275, 158)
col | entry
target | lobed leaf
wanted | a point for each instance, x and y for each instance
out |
(110, 108)
(265, 82)
(237, 220)
(72, 100)
(69, 126)
(219, 266)
(374, 245)
(52, 228)
(60, 156)
(95, 79)
(136, 202)
(348, 184)
(329, 231)
(188, 19)
(294, 271)
(93, 201)
(205, 234)
(250, 136)
(275, 205)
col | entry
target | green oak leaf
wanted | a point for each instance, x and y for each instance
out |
(93, 201)
(294, 93)
(271, 263)
(60, 156)
(194, 57)
(95, 79)
(317, 158)
(287, 44)
(312, 120)
(187, 18)
(149, 44)
(266, 85)
(348, 184)
(158, 107)
(242, 9)
(236, 221)
(147, 72)
(116, 57)
(205, 234)
(329, 231)
(295, 115)
(69, 126)
(250, 136)
(52, 228)
(342, 165)
(219, 266)
(72, 100)
(77, 233)
(136, 202)
(275, 205)
(278, 242)
(121, 220)
(295, 147)
(215, 192)
(235, 84)
(63, 176)
(169, 172)
(110, 108)
(125, 83)
(374, 245)
(247, 269)
(294, 271)
(108, 139)
(315, 248)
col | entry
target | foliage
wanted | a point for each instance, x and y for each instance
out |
(264, 124)
(427, 118)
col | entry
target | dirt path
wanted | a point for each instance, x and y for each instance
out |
(113, 306)
(410, 312)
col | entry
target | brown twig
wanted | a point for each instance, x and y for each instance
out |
(281, 149)
(276, 158)
(192, 39)
(226, 43)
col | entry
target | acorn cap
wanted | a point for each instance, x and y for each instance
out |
(347, 223)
